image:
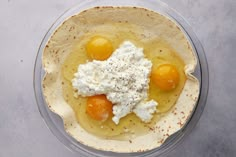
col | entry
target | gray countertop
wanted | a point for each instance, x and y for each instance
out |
(22, 27)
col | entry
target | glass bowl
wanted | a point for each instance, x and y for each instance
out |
(55, 123)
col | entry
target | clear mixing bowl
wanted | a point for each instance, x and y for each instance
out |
(55, 123)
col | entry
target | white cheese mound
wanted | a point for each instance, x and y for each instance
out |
(123, 78)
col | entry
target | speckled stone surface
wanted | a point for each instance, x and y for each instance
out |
(24, 23)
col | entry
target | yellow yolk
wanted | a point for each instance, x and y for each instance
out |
(99, 108)
(165, 76)
(99, 48)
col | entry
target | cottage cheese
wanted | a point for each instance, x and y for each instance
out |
(124, 78)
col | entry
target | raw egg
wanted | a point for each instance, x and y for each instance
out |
(165, 76)
(99, 107)
(99, 48)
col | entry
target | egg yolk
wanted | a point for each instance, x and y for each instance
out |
(165, 76)
(99, 48)
(99, 108)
